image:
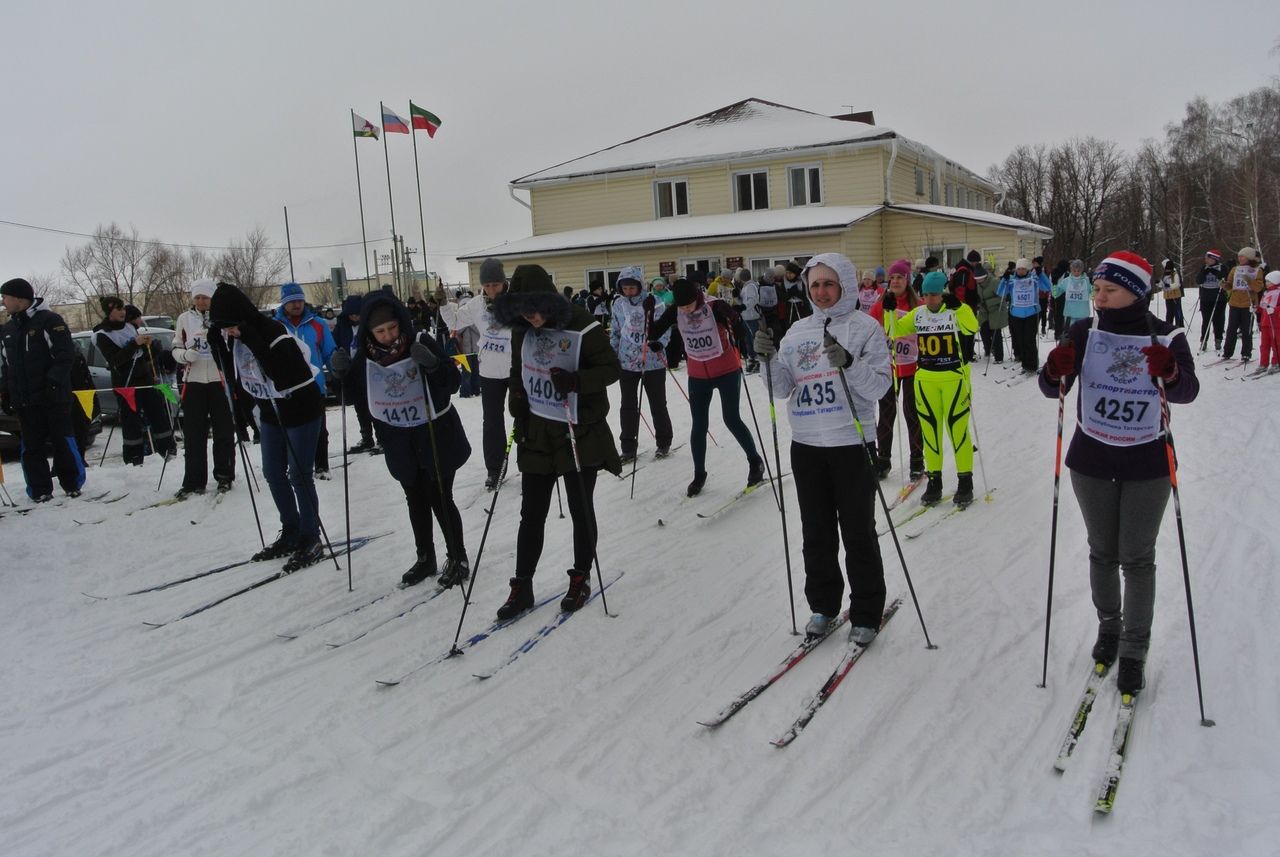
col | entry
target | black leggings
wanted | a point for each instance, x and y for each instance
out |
(700, 390)
(535, 503)
(425, 498)
(655, 393)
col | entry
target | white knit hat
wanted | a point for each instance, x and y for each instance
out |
(203, 288)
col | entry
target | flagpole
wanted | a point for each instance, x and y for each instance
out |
(288, 242)
(418, 178)
(360, 197)
(395, 275)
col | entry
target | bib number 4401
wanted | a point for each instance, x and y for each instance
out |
(1125, 411)
(817, 394)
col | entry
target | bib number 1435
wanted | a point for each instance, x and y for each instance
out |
(817, 394)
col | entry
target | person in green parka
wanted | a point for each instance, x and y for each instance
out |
(993, 317)
(561, 365)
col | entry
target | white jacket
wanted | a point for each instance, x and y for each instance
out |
(191, 348)
(749, 294)
(494, 347)
(817, 406)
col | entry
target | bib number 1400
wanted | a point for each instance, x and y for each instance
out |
(542, 388)
(817, 394)
(1125, 411)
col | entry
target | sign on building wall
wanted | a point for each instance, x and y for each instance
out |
(667, 269)
(733, 262)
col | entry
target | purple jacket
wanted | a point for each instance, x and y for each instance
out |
(1092, 457)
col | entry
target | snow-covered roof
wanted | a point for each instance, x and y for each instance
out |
(974, 215)
(748, 128)
(688, 229)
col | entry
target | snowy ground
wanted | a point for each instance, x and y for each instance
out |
(213, 736)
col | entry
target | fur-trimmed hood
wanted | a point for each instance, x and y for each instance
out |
(532, 290)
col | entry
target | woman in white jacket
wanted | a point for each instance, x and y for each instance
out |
(835, 482)
(494, 355)
(204, 400)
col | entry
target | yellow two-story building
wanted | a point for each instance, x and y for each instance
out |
(756, 184)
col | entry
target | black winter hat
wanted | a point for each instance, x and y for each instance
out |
(491, 271)
(110, 303)
(794, 267)
(532, 290)
(18, 288)
(231, 307)
(974, 256)
(131, 312)
(531, 278)
(684, 292)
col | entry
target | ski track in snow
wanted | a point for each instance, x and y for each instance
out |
(212, 736)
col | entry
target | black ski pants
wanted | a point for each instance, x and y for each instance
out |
(992, 341)
(655, 396)
(205, 408)
(836, 489)
(426, 497)
(535, 502)
(906, 387)
(493, 404)
(1025, 346)
(156, 409)
(1239, 323)
(49, 425)
(1213, 313)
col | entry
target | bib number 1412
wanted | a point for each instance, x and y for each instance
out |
(1125, 411)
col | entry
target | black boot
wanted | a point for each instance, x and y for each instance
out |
(520, 599)
(917, 469)
(933, 491)
(491, 481)
(310, 551)
(284, 545)
(695, 487)
(964, 490)
(422, 569)
(1129, 678)
(755, 475)
(883, 468)
(1106, 648)
(579, 590)
(455, 571)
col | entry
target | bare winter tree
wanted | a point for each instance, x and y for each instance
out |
(253, 265)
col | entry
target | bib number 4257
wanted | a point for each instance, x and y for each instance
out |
(1126, 410)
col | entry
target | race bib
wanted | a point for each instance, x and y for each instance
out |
(1119, 402)
(1244, 276)
(867, 298)
(817, 402)
(905, 348)
(200, 344)
(397, 394)
(1024, 292)
(542, 351)
(633, 330)
(495, 340)
(249, 371)
(1077, 289)
(701, 335)
(936, 340)
(1270, 300)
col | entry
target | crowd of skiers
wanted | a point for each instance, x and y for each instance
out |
(849, 354)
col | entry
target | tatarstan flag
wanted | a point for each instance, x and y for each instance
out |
(424, 120)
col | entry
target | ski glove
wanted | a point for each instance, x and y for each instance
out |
(648, 303)
(835, 353)
(655, 346)
(1061, 362)
(890, 300)
(764, 344)
(1161, 363)
(424, 357)
(951, 301)
(340, 363)
(564, 381)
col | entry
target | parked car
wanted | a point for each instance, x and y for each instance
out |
(158, 321)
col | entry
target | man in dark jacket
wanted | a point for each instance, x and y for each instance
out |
(133, 369)
(1213, 303)
(352, 389)
(35, 383)
(561, 367)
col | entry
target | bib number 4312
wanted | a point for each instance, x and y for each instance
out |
(1125, 411)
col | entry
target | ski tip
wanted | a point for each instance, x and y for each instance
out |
(287, 636)
(94, 597)
(482, 676)
(155, 624)
(390, 682)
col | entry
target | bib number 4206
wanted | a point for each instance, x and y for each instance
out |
(1125, 411)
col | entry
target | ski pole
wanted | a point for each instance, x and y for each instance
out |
(635, 458)
(559, 504)
(782, 507)
(173, 419)
(120, 406)
(244, 456)
(1053, 526)
(760, 440)
(588, 506)
(346, 477)
(493, 504)
(680, 387)
(828, 339)
(449, 522)
(1177, 510)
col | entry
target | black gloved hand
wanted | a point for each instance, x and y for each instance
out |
(655, 346)
(648, 303)
(6, 405)
(424, 357)
(340, 363)
(520, 429)
(564, 381)
(950, 301)
(890, 300)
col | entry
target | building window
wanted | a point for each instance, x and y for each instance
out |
(607, 276)
(947, 191)
(758, 265)
(805, 185)
(919, 182)
(710, 267)
(671, 198)
(751, 190)
(933, 190)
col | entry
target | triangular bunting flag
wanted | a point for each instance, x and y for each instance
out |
(86, 401)
(462, 361)
(130, 396)
(166, 390)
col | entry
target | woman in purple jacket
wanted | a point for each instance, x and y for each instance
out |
(1118, 460)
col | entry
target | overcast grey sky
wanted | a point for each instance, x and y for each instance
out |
(196, 122)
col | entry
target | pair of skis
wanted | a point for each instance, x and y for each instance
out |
(1109, 784)
(745, 492)
(851, 656)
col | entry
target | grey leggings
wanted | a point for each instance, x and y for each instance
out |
(1123, 520)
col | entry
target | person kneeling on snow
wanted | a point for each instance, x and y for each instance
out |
(1118, 459)
(561, 365)
(830, 458)
(407, 381)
